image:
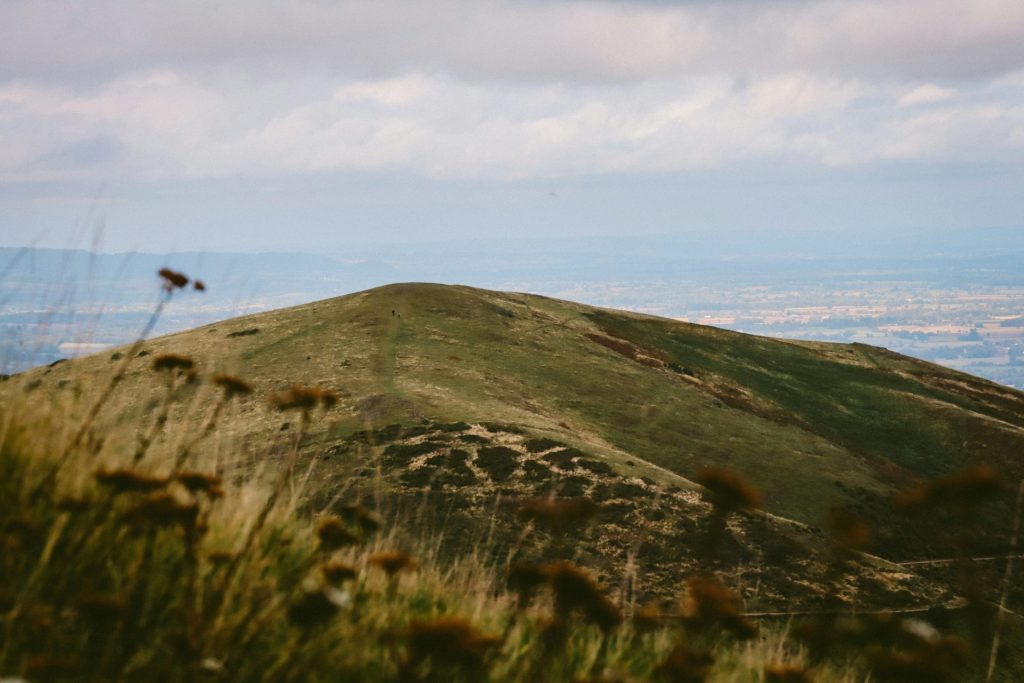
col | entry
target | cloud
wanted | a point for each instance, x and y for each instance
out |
(502, 88)
(173, 125)
(531, 40)
(928, 93)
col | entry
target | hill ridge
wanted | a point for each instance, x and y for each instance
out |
(632, 396)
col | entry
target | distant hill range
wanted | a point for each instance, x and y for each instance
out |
(457, 404)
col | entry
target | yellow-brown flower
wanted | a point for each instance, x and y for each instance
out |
(333, 534)
(130, 481)
(391, 562)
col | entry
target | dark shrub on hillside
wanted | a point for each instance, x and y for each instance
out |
(595, 466)
(452, 427)
(541, 445)
(243, 333)
(498, 462)
(570, 487)
(454, 471)
(400, 453)
(563, 458)
(623, 489)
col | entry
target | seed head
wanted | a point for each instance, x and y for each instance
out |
(313, 608)
(648, 617)
(200, 482)
(232, 385)
(708, 604)
(686, 666)
(305, 399)
(448, 642)
(172, 279)
(576, 591)
(525, 579)
(130, 481)
(163, 509)
(558, 514)
(367, 520)
(333, 534)
(338, 572)
(392, 562)
(727, 490)
(171, 362)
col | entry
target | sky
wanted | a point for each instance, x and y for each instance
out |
(324, 125)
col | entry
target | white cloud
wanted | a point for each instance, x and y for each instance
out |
(173, 125)
(928, 93)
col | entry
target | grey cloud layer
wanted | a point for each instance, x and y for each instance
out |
(478, 88)
(588, 41)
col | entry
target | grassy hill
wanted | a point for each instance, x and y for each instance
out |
(811, 424)
(459, 404)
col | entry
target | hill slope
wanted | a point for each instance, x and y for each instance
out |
(472, 396)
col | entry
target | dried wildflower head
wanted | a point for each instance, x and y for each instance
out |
(847, 529)
(130, 481)
(171, 362)
(172, 279)
(576, 591)
(164, 509)
(648, 617)
(392, 562)
(784, 673)
(685, 666)
(313, 608)
(200, 482)
(333, 534)
(727, 490)
(448, 643)
(328, 399)
(525, 579)
(232, 385)
(558, 514)
(338, 572)
(362, 517)
(964, 490)
(709, 604)
(305, 399)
